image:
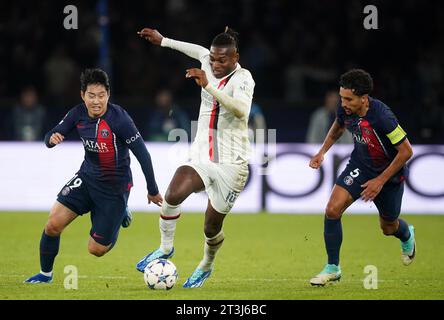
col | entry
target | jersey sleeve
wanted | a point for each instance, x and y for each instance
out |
(390, 127)
(127, 131)
(243, 88)
(242, 94)
(65, 126)
(190, 49)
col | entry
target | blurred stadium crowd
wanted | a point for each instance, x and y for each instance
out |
(296, 51)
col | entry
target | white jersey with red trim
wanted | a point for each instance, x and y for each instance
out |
(221, 136)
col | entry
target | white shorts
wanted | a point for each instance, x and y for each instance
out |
(223, 182)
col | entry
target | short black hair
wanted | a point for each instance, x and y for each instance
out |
(94, 76)
(228, 38)
(357, 80)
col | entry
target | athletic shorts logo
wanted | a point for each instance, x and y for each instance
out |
(95, 235)
(348, 180)
(104, 133)
(66, 191)
(367, 131)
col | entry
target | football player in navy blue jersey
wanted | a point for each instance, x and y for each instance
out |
(103, 183)
(375, 172)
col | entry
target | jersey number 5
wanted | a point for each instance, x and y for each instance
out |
(354, 173)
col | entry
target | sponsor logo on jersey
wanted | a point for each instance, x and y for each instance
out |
(348, 180)
(362, 140)
(94, 146)
(132, 139)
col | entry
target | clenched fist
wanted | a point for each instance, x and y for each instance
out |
(152, 35)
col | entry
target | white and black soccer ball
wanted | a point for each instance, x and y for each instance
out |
(160, 274)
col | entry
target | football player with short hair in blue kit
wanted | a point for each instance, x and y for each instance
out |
(376, 170)
(103, 183)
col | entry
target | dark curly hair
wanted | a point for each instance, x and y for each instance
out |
(94, 76)
(357, 80)
(228, 38)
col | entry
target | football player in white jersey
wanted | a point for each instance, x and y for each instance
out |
(219, 154)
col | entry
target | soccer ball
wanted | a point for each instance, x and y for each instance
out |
(160, 274)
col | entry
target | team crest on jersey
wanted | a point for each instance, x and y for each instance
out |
(348, 180)
(66, 191)
(104, 133)
(367, 131)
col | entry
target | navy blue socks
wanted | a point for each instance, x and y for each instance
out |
(403, 232)
(333, 239)
(49, 248)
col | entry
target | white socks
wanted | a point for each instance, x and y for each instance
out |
(48, 274)
(167, 225)
(211, 247)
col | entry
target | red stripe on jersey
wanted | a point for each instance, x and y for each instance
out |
(212, 133)
(375, 149)
(107, 152)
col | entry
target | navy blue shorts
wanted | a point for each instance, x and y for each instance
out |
(388, 201)
(107, 210)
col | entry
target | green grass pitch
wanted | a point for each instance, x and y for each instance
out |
(264, 257)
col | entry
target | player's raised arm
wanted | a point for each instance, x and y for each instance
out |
(192, 50)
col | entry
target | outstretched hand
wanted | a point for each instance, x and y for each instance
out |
(152, 35)
(198, 75)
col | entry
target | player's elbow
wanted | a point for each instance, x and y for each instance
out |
(240, 114)
(241, 111)
(408, 152)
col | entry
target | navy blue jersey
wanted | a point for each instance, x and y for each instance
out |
(375, 136)
(106, 141)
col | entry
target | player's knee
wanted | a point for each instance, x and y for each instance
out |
(332, 212)
(97, 251)
(173, 197)
(53, 229)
